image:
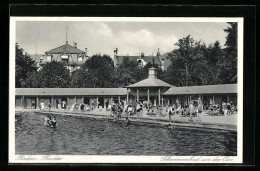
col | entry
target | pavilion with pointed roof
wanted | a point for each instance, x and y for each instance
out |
(150, 89)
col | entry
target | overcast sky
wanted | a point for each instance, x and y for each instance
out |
(130, 38)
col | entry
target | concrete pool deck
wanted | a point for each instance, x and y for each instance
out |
(225, 123)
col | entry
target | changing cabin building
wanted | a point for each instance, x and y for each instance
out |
(70, 56)
(151, 89)
(25, 97)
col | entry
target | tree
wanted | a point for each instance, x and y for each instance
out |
(127, 72)
(187, 63)
(52, 75)
(24, 66)
(97, 72)
(229, 63)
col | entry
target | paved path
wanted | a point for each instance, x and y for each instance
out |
(206, 121)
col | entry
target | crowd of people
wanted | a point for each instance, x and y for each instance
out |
(139, 108)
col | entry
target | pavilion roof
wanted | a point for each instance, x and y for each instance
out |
(150, 82)
(206, 89)
(71, 91)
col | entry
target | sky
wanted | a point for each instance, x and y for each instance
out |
(131, 38)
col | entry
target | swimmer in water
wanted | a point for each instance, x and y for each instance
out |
(47, 120)
(170, 126)
(53, 122)
(127, 121)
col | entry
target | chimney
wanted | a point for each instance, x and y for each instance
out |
(86, 51)
(142, 54)
(115, 51)
(75, 44)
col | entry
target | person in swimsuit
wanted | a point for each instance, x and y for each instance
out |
(53, 122)
(127, 121)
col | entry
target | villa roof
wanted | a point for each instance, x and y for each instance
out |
(36, 57)
(71, 91)
(206, 89)
(134, 58)
(66, 48)
(150, 82)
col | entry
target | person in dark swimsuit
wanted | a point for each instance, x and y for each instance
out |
(53, 122)
(127, 121)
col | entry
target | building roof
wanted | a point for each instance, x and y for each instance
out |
(150, 82)
(71, 91)
(119, 59)
(167, 62)
(206, 89)
(72, 60)
(66, 48)
(36, 57)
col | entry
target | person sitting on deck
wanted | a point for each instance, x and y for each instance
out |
(87, 107)
(82, 107)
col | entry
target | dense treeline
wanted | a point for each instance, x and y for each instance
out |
(192, 63)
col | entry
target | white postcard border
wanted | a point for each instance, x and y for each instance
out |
(113, 158)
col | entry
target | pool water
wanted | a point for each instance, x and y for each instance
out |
(85, 136)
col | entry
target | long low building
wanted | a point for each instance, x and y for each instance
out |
(26, 97)
(207, 94)
(151, 89)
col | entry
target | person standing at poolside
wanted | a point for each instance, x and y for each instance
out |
(191, 109)
(199, 111)
(228, 108)
(170, 112)
(42, 106)
(107, 102)
(49, 105)
(33, 105)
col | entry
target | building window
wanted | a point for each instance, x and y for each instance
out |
(65, 58)
(80, 59)
(48, 58)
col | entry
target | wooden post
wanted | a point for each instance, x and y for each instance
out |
(162, 101)
(127, 96)
(111, 100)
(97, 103)
(221, 100)
(21, 101)
(137, 95)
(148, 95)
(168, 101)
(75, 99)
(37, 102)
(119, 99)
(52, 102)
(159, 96)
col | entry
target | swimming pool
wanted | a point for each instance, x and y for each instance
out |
(85, 136)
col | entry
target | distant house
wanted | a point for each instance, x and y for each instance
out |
(159, 59)
(71, 56)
